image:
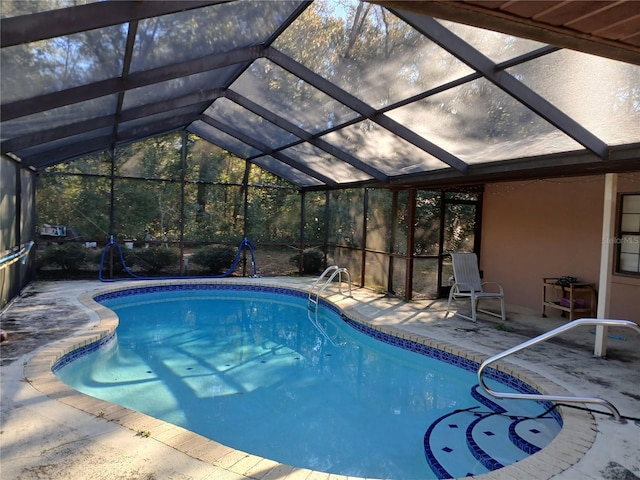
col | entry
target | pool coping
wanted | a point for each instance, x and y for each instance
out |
(575, 438)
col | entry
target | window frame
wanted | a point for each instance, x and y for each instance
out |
(625, 238)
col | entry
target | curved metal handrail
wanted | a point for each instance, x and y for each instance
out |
(336, 271)
(16, 257)
(313, 298)
(543, 337)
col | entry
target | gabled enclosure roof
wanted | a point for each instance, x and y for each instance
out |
(330, 94)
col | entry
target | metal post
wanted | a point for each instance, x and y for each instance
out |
(327, 219)
(411, 240)
(365, 211)
(112, 201)
(393, 231)
(303, 215)
(442, 228)
(17, 272)
(183, 169)
(245, 185)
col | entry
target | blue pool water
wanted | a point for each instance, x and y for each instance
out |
(247, 368)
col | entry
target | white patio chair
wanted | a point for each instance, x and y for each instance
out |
(468, 285)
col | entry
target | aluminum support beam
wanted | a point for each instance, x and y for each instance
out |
(67, 21)
(126, 68)
(157, 128)
(305, 136)
(21, 108)
(56, 133)
(363, 109)
(267, 150)
(68, 153)
(506, 82)
(94, 145)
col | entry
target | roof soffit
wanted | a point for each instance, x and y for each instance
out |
(604, 28)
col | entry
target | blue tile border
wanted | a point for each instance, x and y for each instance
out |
(200, 287)
(520, 442)
(483, 457)
(453, 359)
(487, 402)
(438, 469)
(82, 351)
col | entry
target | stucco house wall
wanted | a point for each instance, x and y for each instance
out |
(551, 228)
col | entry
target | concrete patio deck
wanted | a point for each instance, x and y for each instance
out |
(51, 431)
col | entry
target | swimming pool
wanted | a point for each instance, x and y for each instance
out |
(251, 371)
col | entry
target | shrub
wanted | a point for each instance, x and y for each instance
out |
(312, 260)
(67, 256)
(215, 259)
(156, 259)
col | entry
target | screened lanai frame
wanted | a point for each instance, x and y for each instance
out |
(152, 78)
(391, 240)
(255, 79)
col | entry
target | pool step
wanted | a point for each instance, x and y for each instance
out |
(446, 448)
(472, 441)
(486, 441)
(532, 436)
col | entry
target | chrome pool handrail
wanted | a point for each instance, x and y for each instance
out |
(543, 337)
(336, 271)
(314, 296)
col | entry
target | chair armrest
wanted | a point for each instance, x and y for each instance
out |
(500, 289)
(467, 287)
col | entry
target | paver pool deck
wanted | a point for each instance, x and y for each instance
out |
(50, 431)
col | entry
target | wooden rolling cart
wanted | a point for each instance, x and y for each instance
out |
(574, 299)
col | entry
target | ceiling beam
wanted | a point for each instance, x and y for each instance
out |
(48, 101)
(257, 161)
(126, 68)
(68, 152)
(155, 129)
(56, 133)
(99, 144)
(304, 135)
(281, 170)
(583, 163)
(67, 21)
(363, 109)
(203, 97)
(569, 164)
(503, 80)
(267, 150)
(299, 10)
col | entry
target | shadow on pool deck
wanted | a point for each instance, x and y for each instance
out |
(49, 431)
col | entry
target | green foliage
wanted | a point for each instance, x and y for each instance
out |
(274, 215)
(213, 210)
(315, 212)
(156, 259)
(79, 203)
(346, 210)
(312, 260)
(215, 259)
(378, 219)
(67, 256)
